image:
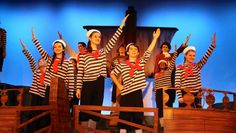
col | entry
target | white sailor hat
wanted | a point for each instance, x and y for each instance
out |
(189, 48)
(91, 31)
(60, 41)
(127, 47)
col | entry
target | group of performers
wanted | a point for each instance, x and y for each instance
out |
(85, 71)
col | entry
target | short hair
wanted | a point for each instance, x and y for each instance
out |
(83, 44)
(167, 44)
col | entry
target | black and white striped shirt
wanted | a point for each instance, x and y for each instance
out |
(65, 70)
(165, 80)
(138, 81)
(3, 40)
(89, 68)
(191, 81)
(37, 88)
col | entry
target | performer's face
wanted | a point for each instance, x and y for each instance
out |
(133, 51)
(162, 65)
(73, 62)
(95, 38)
(80, 47)
(58, 48)
(42, 62)
(190, 56)
(122, 51)
(165, 48)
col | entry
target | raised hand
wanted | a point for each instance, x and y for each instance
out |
(33, 35)
(60, 35)
(213, 40)
(22, 44)
(156, 33)
(185, 44)
(123, 21)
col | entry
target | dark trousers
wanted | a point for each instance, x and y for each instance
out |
(133, 99)
(159, 100)
(113, 95)
(73, 101)
(1, 59)
(36, 100)
(92, 94)
(195, 104)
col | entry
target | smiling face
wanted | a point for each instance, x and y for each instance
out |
(121, 51)
(162, 66)
(42, 63)
(58, 48)
(133, 51)
(190, 56)
(81, 47)
(95, 38)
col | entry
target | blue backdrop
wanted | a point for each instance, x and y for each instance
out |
(200, 19)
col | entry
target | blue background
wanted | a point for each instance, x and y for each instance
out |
(198, 18)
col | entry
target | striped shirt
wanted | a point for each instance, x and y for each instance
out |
(89, 68)
(3, 37)
(65, 70)
(138, 82)
(193, 81)
(37, 88)
(165, 79)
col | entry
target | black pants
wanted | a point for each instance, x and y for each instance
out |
(195, 104)
(159, 100)
(1, 59)
(73, 101)
(113, 95)
(133, 99)
(92, 94)
(36, 100)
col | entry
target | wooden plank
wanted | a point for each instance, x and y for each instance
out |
(6, 129)
(202, 114)
(220, 126)
(184, 125)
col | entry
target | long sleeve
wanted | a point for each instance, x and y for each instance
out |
(113, 41)
(3, 35)
(145, 57)
(178, 81)
(71, 77)
(80, 72)
(43, 53)
(204, 59)
(31, 60)
(180, 50)
(172, 63)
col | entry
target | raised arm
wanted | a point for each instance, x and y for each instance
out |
(156, 35)
(43, 53)
(30, 58)
(172, 63)
(148, 52)
(184, 45)
(208, 53)
(68, 49)
(4, 41)
(112, 41)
